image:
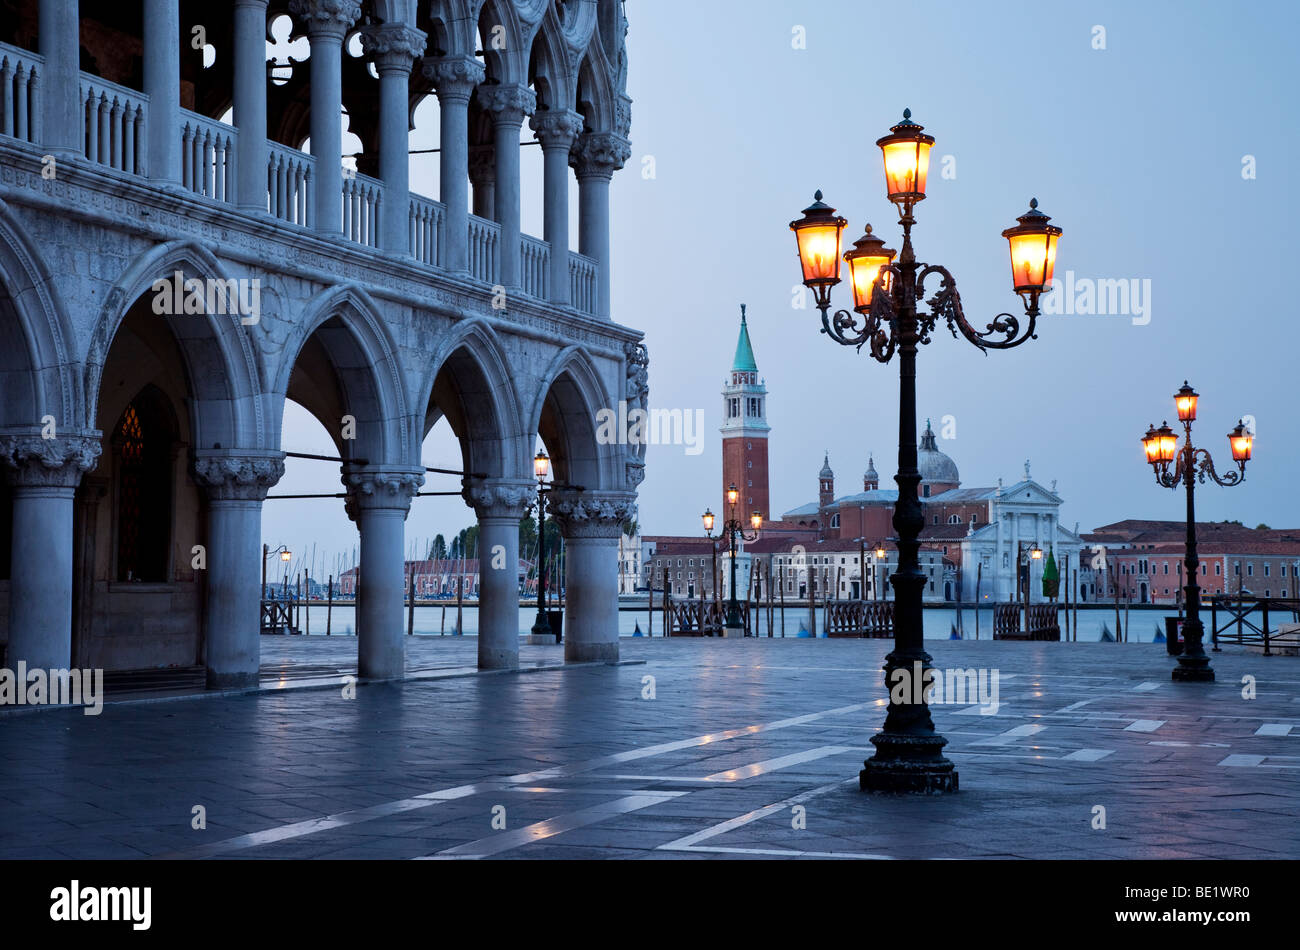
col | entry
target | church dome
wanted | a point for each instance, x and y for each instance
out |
(934, 466)
(826, 467)
(870, 475)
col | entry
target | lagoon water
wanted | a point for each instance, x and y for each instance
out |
(1142, 623)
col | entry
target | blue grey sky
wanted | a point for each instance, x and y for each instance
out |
(1136, 150)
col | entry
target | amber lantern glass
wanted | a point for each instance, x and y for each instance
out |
(868, 256)
(906, 152)
(1151, 445)
(1168, 443)
(286, 556)
(817, 235)
(541, 464)
(732, 495)
(1033, 251)
(1241, 441)
(880, 553)
(1036, 553)
(1185, 399)
(708, 521)
(756, 520)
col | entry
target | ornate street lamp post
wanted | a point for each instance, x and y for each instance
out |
(285, 555)
(909, 754)
(541, 468)
(1161, 447)
(733, 626)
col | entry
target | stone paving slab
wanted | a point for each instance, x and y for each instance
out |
(577, 764)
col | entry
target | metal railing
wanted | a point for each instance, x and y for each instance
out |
(20, 100)
(859, 618)
(534, 260)
(207, 156)
(1247, 620)
(116, 125)
(362, 200)
(426, 229)
(289, 184)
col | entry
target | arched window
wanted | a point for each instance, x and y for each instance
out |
(142, 450)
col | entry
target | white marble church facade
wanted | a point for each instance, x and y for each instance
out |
(131, 438)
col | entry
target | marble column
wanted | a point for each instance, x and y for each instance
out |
(595, 158)
(483, 176)
(499, 504)
(250, 104)
(236, 484)
(557, 130)
(591, 522)
(394, 48)
(162, 84)
(43, 475)
(63, 121)
(378, 501)
(507, 104)
(327, 22)
(454, 78)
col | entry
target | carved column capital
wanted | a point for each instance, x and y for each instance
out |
(483, 164)
(453, 77)
(499, 497)
(394, 47)
(507, 102)
(591, 514)
(557, 128)
(326, 18)
(32, 461)
(238, 476)
(371, 488)
(599, 154)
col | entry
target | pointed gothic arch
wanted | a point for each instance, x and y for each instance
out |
(564, 414)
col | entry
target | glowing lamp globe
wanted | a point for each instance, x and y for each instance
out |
(868, 256)
(817, 235)
(1033, 252)
(906, 151)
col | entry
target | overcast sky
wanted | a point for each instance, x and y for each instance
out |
(1136, 149)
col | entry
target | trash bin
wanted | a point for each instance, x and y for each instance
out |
(1174, 635)
(556, 619)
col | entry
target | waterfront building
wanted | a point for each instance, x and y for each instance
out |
(175, 264)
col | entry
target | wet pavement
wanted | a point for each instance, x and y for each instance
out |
(731, 748)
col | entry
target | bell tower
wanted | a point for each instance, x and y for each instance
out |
(744, 432)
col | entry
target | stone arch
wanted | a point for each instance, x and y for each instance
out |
(549, 68)
(452, 26)
(221, 362)
(564, 414)
(38, 369)
(595, 94)
(469, 382)
(342, 360)
(508, 64)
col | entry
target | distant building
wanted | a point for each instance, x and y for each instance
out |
(436, 577)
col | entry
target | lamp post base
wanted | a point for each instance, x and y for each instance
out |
(540, 640)
(1192, 671)
(733, 631)
(906, 764)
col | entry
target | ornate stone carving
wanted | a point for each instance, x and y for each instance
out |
(382, 488)
(508, 102)
(557, 128)
(31, 461)
(393, 46)
(326, 16)
(483, 165)
(237, 477)
(591, 514)
(493, 498)
(599, 154)
(454, 77)
(637, 394)
(634, 470)
(623, 116)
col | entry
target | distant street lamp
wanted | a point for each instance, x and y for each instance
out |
(541, 468)
(1161, 448)
(285, 555)
(734, 529)
(909, 753)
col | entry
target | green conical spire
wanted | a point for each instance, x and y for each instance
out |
(1051, 577)
(744, 361)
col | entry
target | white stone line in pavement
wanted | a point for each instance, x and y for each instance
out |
(782, 762)
(1239, 760)
(1011, 735)
(1274, 729)
(1070, 708)
(541, 830)
(1145, 725)
(786, 853)
(1146, 687)
(310, 826)
(1262, 761)
(691, 841)
(1087, 755)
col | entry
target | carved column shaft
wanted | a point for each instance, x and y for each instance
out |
(499, 505)
(508, 105)
(591, 523)
(557, 130)
(595, 158)
(454, 78)
(394, 48)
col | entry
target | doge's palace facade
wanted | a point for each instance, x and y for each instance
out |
(174, 264)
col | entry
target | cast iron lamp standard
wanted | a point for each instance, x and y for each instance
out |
(285, 555)
(909, 753)
(1161, 447)
(733, 626)
(541, 468)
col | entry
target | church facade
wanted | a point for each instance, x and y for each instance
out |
(184, 246)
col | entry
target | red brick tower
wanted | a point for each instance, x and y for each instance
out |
(744, 432)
